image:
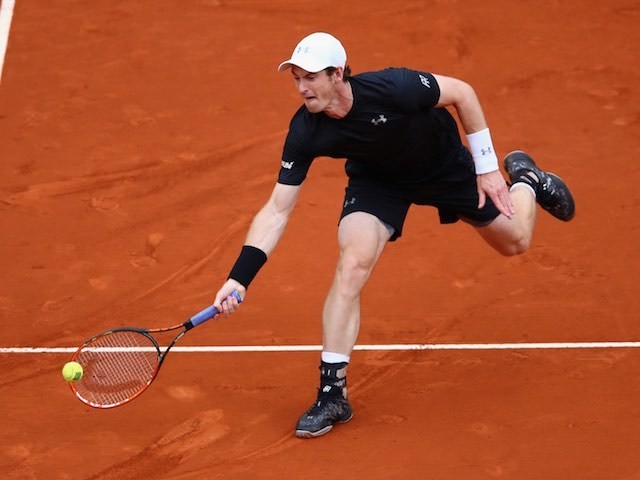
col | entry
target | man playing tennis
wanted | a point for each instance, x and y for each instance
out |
(402, 148)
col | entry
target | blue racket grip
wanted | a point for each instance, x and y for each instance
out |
(209, 312)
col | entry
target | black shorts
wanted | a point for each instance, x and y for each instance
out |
(453, 191)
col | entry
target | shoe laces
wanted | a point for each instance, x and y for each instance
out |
(324, 398)
(547, 188)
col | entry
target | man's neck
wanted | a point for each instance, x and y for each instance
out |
(342, 103)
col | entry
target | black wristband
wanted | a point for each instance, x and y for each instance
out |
(248, 264)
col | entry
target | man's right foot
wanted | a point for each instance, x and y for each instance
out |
(328, 410)
(551, 192)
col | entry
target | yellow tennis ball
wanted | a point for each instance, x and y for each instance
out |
(72, 371)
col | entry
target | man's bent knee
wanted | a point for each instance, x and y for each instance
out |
(505, 238)
(513, 247)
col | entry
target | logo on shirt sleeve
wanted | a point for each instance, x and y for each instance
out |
(287, 165)
(425, 81)
(349, 201)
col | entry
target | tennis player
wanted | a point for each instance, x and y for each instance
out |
(402, 148)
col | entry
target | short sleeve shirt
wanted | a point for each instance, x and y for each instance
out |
(392, 132)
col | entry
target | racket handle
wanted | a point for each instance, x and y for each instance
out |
(208, 313)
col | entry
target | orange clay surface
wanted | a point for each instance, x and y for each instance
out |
(137, 140)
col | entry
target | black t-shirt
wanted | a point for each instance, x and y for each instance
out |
(392, 132)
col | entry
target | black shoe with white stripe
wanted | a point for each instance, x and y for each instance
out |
(552, 194)
(330, 408)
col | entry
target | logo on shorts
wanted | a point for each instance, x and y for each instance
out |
(377, 121)
(425, 81)
(287, 165)
(349, 201)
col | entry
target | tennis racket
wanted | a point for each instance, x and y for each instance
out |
(119, 364)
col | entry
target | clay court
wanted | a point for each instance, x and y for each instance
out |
(138, 139)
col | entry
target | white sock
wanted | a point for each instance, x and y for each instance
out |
(523, 184)
(331, 357)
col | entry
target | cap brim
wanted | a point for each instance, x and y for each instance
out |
(284, 65)
(305, 65)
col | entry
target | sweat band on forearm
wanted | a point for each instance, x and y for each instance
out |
(484, 156)
(248, 264)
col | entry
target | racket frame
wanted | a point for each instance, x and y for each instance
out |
(199, 318)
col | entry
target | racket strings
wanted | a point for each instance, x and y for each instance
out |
(117, 366)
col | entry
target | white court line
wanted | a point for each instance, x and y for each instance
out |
(6, 14)
(396, 347)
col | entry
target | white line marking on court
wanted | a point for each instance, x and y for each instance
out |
(6, 14)
(396, 347)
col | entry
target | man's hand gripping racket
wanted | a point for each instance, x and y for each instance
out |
(119, 364)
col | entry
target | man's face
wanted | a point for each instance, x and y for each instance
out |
(316, 89)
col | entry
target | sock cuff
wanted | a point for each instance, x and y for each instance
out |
(332, 357)
(523, 184)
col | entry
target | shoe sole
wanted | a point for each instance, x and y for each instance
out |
(507, 160)
(319, 433)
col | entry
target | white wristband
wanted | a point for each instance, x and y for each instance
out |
(484, 156)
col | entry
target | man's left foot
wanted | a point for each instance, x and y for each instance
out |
(329, 409)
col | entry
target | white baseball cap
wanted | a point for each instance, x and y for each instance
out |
(317, 52)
